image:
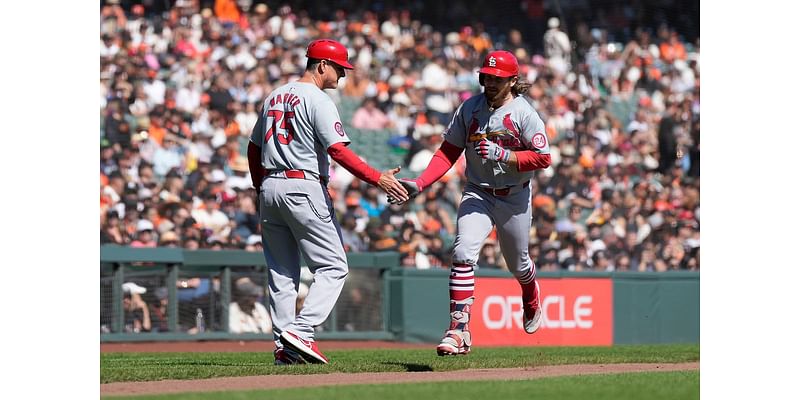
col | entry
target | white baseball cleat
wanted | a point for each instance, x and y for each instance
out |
(454, 342)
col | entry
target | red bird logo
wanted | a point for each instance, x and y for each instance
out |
(472, 133)
(473, 127)
(509, 124)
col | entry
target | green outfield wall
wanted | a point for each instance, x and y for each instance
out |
(382, 300)
(656, 307)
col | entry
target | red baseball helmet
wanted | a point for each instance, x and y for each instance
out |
(500, 63)
(331, 50)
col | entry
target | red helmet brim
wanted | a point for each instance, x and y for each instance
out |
(343, 64)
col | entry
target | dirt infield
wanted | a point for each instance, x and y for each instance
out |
(290, 381)
(338, 378)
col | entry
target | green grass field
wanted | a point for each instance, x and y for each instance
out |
(631, 386)
(119, 367)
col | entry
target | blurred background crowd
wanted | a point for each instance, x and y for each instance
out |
(617, 84)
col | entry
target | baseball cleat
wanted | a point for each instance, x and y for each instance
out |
(305, 348)
(287, 357)
(532, 310)
(454, 342)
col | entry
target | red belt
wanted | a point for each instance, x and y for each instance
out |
(295, 174)
(504, 191)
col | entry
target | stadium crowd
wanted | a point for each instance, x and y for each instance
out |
(180, 91)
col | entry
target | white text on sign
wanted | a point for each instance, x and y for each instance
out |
(505, 312)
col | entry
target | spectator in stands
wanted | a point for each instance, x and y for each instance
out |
(247, 314)
(254, 243)
(437, 80)
(137, 313)
(667, 140)
(209, 215)
(357, 84)
(372, 203)
(400, 116)
(369, 116)
(117, 129)
(601, 262)
(382, 237)
(433, 219)
(672, 48)
(107, 162)
(415, 251)
(557, 47)
(352, 240)
(487, 258)
(158, 311)
(169, 239)
(168, 157)
(430, 138)
(219, 96)
(111, 231)
(144, 234)
(245, 216)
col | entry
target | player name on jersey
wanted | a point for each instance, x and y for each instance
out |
(289, 98)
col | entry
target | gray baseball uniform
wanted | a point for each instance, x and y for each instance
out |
(297, 125)
(496, 193)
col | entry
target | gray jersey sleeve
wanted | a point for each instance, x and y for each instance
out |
(533, 132)
(257, 135)
(456, 133)
(328, 124)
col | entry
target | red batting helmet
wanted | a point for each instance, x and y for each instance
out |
(500, 63)
(327, 49)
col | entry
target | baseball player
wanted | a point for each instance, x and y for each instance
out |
(299, 127)
(505, 141)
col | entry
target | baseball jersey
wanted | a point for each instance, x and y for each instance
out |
(296, 126)
(514, 126)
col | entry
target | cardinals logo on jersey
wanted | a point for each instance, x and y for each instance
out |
(472, 133)
(473, 127)
(507, 138)
(509, 124)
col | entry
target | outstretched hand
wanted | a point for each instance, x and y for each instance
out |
(411, 186)
(389, 184)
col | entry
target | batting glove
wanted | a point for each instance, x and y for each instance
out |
(492, 151)
(412, 187)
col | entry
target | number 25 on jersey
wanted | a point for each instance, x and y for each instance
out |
(279, 126)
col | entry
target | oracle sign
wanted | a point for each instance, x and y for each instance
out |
(576, 311)
(501, 312)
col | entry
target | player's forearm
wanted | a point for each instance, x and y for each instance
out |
(442, 161)
(528, 160)
(350, 161)
(146, 323)
(254, 162)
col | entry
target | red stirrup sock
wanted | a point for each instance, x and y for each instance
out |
(462, 282)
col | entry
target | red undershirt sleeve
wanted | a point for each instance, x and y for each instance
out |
(529, 160)
(442, 161)
(254, 162)
(350, 161)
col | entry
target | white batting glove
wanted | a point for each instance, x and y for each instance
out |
(492, 151)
